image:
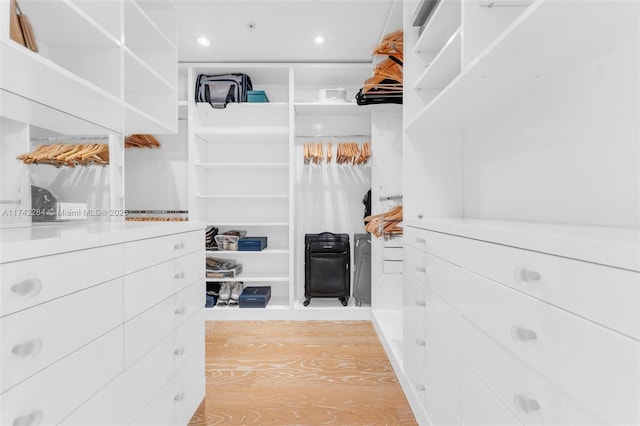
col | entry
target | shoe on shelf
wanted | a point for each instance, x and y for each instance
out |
(236, 290)
(225, 290)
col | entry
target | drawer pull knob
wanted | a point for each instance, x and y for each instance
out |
(420, 388)
(32, 419)
(29, 348)
(180, 311)
(28, 288)
(421, 303)
(179, 397)
(421, 269)
(524, 404)
(179, 276)
(526, 276)
(420, 342)
(522, 335)
(420, 240)
(179, 246)
(178, 352)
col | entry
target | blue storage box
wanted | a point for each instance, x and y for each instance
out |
(252, 244)
(257, 96)
(255, 297)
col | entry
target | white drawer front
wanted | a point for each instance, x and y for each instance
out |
(35, 338)
(160, 410)
(392, 253)
(145, 378)
(413, 331)
(529, 396)
(443, 364)
(415, 263)
(579, 287)
(187, 338)
(30, 282)
(480, 407)
(146, 288)
(442, 278)
(443, 321)
(438, 409)
(103, 409)
(190, 301)
(598, 367)
(57, 391)
(152, 251)
(190, 384)
(444, 246)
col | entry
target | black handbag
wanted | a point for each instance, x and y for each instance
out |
(219, 90)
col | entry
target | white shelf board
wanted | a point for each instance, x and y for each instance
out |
(254, 277)
(444, 67)
(140, 32)
(443, 22)
(266, 251)
(517, 63)
(242, 196)
(316, 108)
(617, 247)
(140, 76)
(280, 311)
(252, 166)
(203, 132)
(244, 108)
(135, 118)
(237, 224)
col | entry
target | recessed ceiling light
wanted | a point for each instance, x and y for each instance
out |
(319, 39)
(203, 41)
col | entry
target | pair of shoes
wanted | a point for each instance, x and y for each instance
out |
(231, 290)
(225, 291)
(236, 290)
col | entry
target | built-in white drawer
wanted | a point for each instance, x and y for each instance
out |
(596, 366)
(33, 281)
(188, 337)
(438, 409)
(442, 278)
(413, 331)
(144, 289)
(37, 337)
(190, 301)
(144, 379)
(576, 286)
(443, 364)
(392, 253)
(532, 398)
(152, 251)
(190, 386)
(415, 263)
(54, 393)
(444, 246)
(443, 320)
(160, 411)
(479, 406)
(103, 409)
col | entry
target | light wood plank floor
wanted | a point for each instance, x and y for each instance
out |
(299, 373)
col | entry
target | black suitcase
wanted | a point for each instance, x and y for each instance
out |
(327, 266)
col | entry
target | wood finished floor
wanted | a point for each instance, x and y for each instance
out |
(299, 373)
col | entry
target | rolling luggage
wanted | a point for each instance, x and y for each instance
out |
(327, 266)
(362, 268)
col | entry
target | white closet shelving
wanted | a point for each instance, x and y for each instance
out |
(110, 63)
(527, 150)
(247, 162)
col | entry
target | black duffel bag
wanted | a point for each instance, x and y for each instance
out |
(219, 90)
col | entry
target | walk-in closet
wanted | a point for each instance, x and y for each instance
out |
(411, 212)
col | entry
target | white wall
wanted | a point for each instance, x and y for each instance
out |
(517, 162)
(156, 178)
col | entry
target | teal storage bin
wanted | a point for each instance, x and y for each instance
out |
(257, 96)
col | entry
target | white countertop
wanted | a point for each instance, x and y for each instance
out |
(612, 246)
(46, 239)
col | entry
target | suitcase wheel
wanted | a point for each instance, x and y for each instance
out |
(344, 301)
(306, 302)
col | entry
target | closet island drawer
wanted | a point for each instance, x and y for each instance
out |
(414, 264)
(529, 396)
(596, 366)
(54, 393)
(152, 251)
(444, 246)
(37, 337)
(145, 288)
(576, 286)
(30, 282)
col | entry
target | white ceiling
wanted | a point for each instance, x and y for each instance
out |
(284, 30)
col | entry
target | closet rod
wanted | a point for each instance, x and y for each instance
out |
(69, 138)
(332, 136)
(390, 197)
(10, 201)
